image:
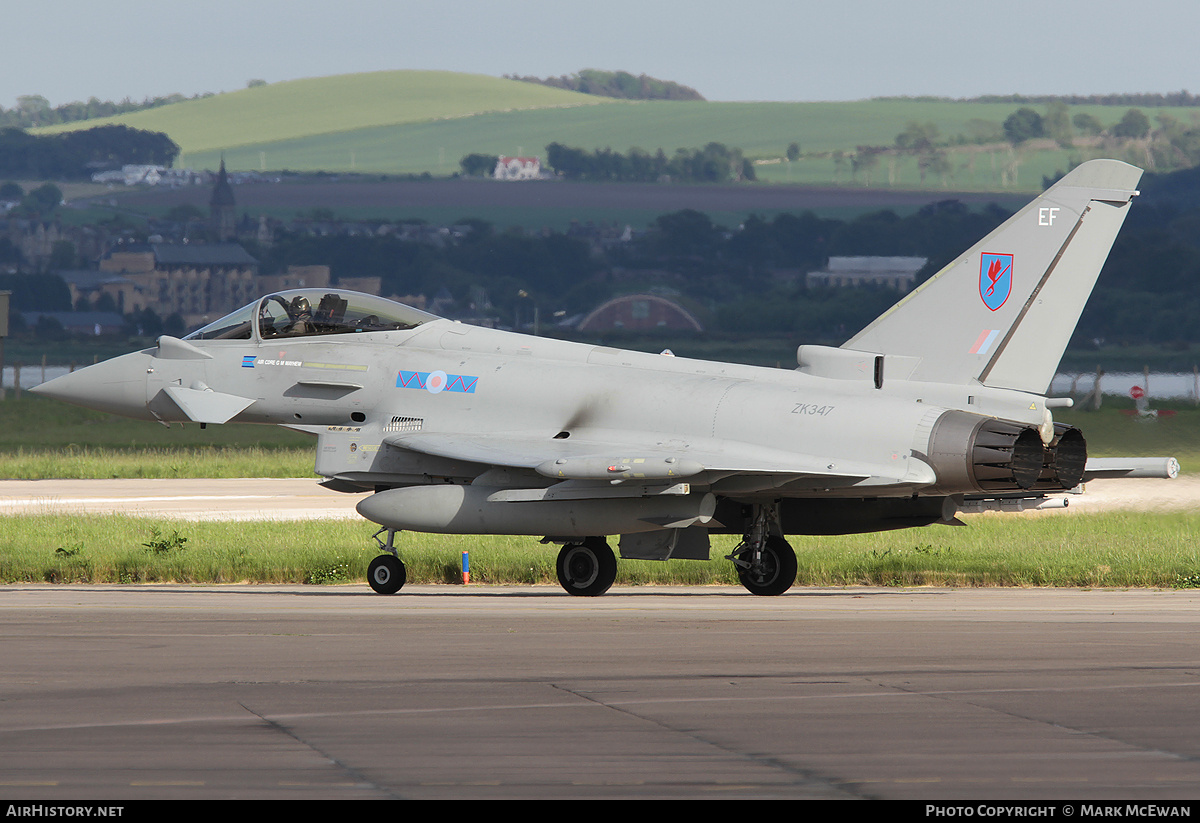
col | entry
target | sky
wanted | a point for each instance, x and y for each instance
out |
(785, 50)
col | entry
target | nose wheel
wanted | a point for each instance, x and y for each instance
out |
(386, 574)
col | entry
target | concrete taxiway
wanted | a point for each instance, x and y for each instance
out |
(126, 692)
(191, 498)
(304, 499)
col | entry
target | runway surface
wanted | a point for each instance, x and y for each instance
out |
(302, 498)
(127, 692)
(189, 499)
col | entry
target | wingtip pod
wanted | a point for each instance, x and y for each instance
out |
(1163, 468)
(1002, 312)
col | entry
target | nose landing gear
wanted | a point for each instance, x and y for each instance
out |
(386, 574)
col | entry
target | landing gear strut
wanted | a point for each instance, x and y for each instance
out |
(587, 569)
(386, 574)
(766, 563)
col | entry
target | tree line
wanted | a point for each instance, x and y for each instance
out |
(1168, 143)
(619, 84)
(33, 110)
(77, 154)
(1149, 99)
(1171, 144)
(715, 163)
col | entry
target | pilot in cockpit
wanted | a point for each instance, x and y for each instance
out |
(300, 312)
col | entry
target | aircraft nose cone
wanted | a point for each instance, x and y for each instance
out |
(117, 386)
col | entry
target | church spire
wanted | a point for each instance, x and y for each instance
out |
(222, 207)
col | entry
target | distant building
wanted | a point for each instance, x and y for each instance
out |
(518, 168)
(315, 277)
(132, 175)
(148, 175)
(365, 285)
(35, 238)
(88, 286)
(296, 277)
(893, 272)
(200, 282)
(640, 312)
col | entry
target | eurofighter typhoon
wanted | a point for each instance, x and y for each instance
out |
(937, 407)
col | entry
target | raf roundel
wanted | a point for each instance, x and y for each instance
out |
(435, 382)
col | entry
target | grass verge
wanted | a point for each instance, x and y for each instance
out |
(85, 463)
(1118, 550)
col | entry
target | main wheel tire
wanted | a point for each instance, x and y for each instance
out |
(386, 574)
(777, 572)
(587, 569)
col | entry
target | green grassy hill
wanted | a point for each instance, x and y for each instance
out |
(762, 130)
(411, 122)
(336, 105)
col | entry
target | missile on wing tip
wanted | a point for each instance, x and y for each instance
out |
(455, 509)
(1165, 468)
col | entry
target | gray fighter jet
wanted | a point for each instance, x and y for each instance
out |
(937, 407)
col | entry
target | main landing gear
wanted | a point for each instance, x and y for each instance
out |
(386, 574)
(587, 569)
(766, 563)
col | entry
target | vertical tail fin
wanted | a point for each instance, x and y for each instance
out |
(1002, 313)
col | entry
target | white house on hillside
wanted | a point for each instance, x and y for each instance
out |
(131, 175)
(518, 168)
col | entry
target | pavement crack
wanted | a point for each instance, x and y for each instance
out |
(353, 773)
(961, 698)
(778, 764)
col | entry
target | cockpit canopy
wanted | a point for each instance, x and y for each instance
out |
(312, 312)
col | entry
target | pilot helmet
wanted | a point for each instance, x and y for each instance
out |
(300, 305)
